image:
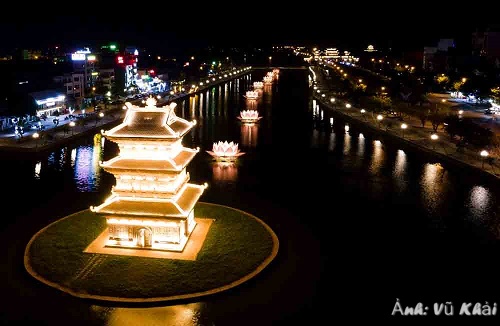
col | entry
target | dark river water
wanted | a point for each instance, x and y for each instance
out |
(361, 221)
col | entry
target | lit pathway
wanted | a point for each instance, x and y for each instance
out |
(416, 135)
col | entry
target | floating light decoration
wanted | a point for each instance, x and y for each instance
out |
(249, 116)
(225, 151)
(251, 95)
(258, 84)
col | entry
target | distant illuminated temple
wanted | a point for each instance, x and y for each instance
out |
(152, 204)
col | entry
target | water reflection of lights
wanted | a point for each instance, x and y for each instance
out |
(85, 162)
(73, 157)
(192, 106)
(479, 202)
(399, 170)
(201, 103)
(249, 134)
(38, 168)
(400, 164)
(315, 138)
(347, 143)
(361, 145)
(431, 184)
(251, 104)
(377, 157)
(331, 141)
(179, 315)
(224, 171)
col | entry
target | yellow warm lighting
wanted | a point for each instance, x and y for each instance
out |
(152, 185)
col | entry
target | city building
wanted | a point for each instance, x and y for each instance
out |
(49, 102)
(437, 58)
(152, 204)
(73, 85)
(126, 71)
(486, 43)
(84, 62)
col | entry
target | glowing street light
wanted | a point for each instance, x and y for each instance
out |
(403, 127)
(348, 106)
(460, 112)
(363, 111)
(484, 154)
(99, 116)
(380, 118)
(36, 135)
(72, 125)
(434, 137)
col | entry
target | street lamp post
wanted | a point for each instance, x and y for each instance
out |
(100, 115)
(403, 127)
(380, 118)
(363, 111)
(36, 136)
(484, 154)
(72, 125)
(332, 100)
(434, 137)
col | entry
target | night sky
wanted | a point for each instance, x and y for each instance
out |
(260, 24)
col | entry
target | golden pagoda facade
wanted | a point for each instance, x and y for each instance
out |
(151, 205)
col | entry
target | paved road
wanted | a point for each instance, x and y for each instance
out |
(53, 135)
(420, 136)
(470, 110)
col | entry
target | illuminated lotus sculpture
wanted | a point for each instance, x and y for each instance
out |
(225, 151)
(251, 95)
(249, 116)
(268, 79)
(258, 84)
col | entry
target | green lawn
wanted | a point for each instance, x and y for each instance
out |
(236, 244)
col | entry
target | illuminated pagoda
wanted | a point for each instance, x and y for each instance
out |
(152, 203)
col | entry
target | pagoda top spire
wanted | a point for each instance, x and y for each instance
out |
(150, 121)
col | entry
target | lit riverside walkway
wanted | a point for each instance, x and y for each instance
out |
(415, 134)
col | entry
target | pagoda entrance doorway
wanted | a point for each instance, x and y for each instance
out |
(144, 237)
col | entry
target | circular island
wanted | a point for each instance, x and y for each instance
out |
(229, 248)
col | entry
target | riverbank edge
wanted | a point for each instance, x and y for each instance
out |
(36, 149)
(407, 143)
